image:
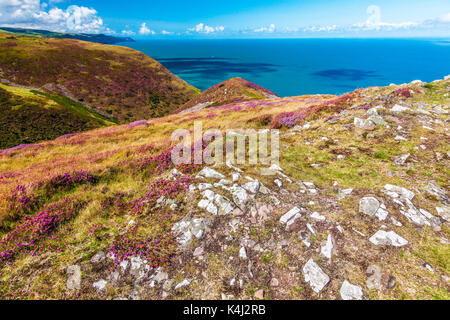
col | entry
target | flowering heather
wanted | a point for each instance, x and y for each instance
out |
(117, 202)
(404, 92)
(287, 119)
(67, 136)
(159, 163)
(68, 180)
(19, 147)
(137, 124)
(32, 230)
(20, 201)
(364, 108)
(210, 116)
(161, 188)
(157, 251)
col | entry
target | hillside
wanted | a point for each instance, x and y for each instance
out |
(357, 209)
(99, 38)
(114, 81)
(29, 116)
(230, 91)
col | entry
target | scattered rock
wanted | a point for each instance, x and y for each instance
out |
(374, 282)
(100, 285)
(243, 254)
(198, 252)
(383, 238)
(396, 192)
(436, 190)
(327, 249)
(391, 282)
(443, 212)
(351, 292)
(98, 257)
(274, 282)
(398, 108)
(290, 218)
(183, 284)
(74, 280)
(189, 229)
(372, 207)
(401, 160)
(315, 276)
(210, 173)
(259, 294)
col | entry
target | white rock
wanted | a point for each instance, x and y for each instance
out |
(253, 186)
(383, 238)
(243, 254)
(278, 183)
(74, 279)
(210, 173)
(240, 196)
(183, 284)
(100, 285)
(289, 215)
(399, 108)
(318, 216)
(344, 193)
(404, 193)
(236, 176)
(443, 212)
(351, 292)
(327, 249)
(204, 186)
(315, 276)
(400, 138)
(189, 229)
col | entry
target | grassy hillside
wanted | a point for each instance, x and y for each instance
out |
(29, 116)
(230, 91)
(99, 38)
(102, 215)
(116, 81)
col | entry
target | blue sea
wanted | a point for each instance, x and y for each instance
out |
(291, 67)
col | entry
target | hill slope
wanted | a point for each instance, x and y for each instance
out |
(115, 81)
(363, 177)
(29, 116)
(230, 91)
(99, 38)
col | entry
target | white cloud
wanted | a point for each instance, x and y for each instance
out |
(128, 33)
(445, 18)
(164, 32)
(34, 14)
(374, 22)
(203, 28)
(145, 31)
(269, 29)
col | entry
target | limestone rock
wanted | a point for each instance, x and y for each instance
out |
(74, 280)
(351, 292)
(383, 238)
(189, 229)
(210, 173)
(315, 276)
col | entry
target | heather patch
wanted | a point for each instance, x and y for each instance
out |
(36, 233)
(69, 180)
(21, 201)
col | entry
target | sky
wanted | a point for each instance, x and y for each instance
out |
(156, 19)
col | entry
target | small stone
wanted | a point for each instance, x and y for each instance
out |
(315, 276)
(443, 212)
(243, 254)
(100, 285)
(290, 215)
(274, 282)
(398, 108)
(369, 206)
(317, 216)
(327, 249)
(391, 282)
(278, 183)
(210, 173)
(383, 238)
(374, 282)
(74, 280)
(183, 284)
(351, 292)
(98, 257)
(401, 160)
(344, 193)
(404, 193)
(253, 186)
(259, 294)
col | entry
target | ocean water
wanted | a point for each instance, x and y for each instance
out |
(291, 67)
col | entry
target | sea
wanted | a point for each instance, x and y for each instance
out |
(291, 67)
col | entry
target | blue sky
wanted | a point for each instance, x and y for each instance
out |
(234, 18)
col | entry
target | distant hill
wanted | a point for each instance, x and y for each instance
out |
(28, 116)
(230, 91)
(99, 38)
(117, 82)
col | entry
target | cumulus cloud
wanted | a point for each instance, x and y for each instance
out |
(374, 22)
(203, 28)
(128, 33)
(269, 29)
(145, 31)
(165, 32)
(34, 14)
